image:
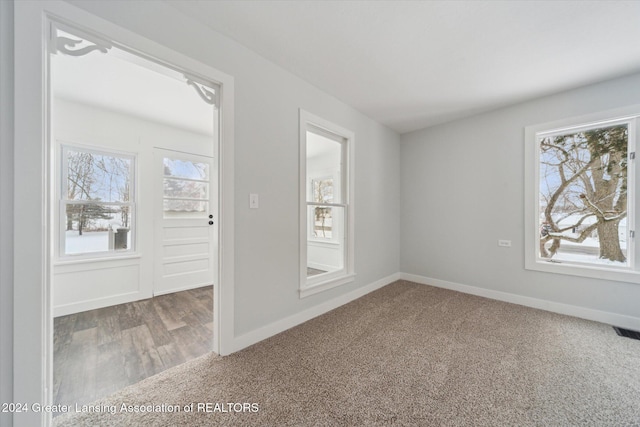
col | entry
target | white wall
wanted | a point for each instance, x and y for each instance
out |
(6, 207)
(267, 100)
(79, 286)
(462, 190)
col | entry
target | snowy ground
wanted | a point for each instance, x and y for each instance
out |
(589, 249)
(90, 241)
(585, 252)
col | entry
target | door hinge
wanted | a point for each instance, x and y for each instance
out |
(632, 233)
(632, 155)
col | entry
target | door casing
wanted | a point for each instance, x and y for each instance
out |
(33, 325)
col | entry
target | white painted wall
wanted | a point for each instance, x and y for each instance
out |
(6, 208)
(79, 286)
(462, 190)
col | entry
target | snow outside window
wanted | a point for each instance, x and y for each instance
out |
(581, 220)
(96, 202)
(185, 188)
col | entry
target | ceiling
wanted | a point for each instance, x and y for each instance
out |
(414, 64)
(127, 84)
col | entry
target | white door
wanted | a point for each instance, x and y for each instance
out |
(185, 221)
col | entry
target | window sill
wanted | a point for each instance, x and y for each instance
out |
(616, 274)
(318, 242)
(99, 258)
(329, 283)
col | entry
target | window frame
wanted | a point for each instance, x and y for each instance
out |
(314, 284)
(533, 261)
(63, 148)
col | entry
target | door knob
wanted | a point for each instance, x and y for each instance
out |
(210, 222)
(210, 216)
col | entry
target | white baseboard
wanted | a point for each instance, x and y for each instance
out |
(609, 318)
(180, 289)
(282, 325)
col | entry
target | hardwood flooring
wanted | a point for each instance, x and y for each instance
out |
(101, 351)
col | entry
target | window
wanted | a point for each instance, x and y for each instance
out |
(97, 202)
(326, 223)
(581, 197)
(186, 188)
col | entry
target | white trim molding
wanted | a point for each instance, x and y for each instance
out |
(6, 208)
(630, 272)
(609, 318)
(310, 123)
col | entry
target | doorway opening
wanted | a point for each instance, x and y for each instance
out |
(134, 222)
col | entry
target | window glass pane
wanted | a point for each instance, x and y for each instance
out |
(322, 222)
(94, 227)
(181, 188)
(322, 190)
(583, 196)
(186, 169)
(326, 243)
(324, 169)
(98, 177)
(185, 206)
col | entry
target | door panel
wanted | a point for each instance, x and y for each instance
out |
(185, 248)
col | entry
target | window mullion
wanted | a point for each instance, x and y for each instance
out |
(336, 205)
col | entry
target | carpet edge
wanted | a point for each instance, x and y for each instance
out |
(606, 317)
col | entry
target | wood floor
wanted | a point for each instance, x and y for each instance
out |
(100, 351)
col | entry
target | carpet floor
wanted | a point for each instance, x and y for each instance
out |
(406, 354)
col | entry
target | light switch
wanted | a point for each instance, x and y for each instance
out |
(254, 201)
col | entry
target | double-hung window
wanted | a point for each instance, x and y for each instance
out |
(581, 196)
(97, 202)
(326, 211)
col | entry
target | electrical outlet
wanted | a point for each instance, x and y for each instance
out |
(504, 243)
(254, 201)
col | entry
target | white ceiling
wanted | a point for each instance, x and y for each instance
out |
(413, 64)
(130, 85)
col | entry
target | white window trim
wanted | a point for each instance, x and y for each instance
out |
(60, 256)
(315, 284)
(532, 181)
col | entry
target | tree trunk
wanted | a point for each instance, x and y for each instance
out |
(81, 220)
(544, 253)
(554, 247)
(610, 241)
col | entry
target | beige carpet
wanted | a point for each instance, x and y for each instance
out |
(409, 355)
